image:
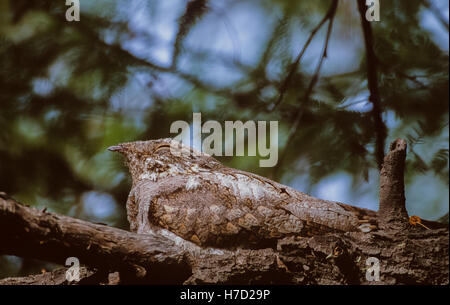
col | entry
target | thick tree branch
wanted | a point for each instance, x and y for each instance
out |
(55, 238)
(28, 232)
(56, 277)
(411, 256)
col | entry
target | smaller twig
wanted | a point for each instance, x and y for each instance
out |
(353, 104)
(329, 15)
(372, 78)
(436, 13)
(415, 220)
(195, 9)
(309, 90)
(413, 79)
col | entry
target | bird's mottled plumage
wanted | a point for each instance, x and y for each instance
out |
(196, 197)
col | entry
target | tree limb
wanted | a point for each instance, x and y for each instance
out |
(152, 258)
(435, 11)
(409, 257)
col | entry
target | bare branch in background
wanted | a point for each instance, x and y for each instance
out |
(195, 9)
(372, 78)
(436, 13)
(329, 16)
(310, 88)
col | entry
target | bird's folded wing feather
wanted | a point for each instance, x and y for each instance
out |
(229, 208)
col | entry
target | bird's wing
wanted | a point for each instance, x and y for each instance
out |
(223, 209)
(332, 214)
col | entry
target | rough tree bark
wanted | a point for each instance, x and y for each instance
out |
(392, 211)
(407, 253)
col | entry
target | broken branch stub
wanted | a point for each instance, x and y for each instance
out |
(392, 212)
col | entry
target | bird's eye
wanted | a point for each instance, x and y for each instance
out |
(162, 146)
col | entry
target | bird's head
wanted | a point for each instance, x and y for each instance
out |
(160, 158)
(141, 147)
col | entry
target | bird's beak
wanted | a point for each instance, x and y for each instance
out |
(118, 148)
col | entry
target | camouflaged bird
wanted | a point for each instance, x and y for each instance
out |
(179, 190)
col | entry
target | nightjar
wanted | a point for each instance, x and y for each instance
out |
(183, 193)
